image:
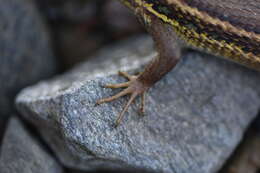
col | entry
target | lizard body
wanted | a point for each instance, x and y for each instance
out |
(228, 28)
(207, 32)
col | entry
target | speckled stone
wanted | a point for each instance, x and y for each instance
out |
(195, 116)
(21, 153)
(25, 51)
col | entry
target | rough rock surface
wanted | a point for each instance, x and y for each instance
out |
(195, 116)
(25, 52)
(21, 153)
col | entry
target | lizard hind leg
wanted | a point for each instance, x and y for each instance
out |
(133, 88)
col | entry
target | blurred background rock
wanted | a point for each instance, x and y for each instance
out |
(80, 27)
(26, 52)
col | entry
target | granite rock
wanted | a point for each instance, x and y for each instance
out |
(21, 153)
(195, 116)
(25, 52)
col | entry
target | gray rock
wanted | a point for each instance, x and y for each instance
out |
(25, 52)
(195, 116)
(21, 153)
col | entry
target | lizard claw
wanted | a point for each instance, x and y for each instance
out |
(133, 88)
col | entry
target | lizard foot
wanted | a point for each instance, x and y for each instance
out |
(133, 87)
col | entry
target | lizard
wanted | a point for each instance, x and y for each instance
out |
(226, 28)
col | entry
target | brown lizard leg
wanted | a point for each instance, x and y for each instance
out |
(169, 50)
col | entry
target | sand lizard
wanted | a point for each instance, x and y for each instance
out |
(227, 28)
